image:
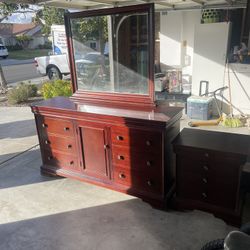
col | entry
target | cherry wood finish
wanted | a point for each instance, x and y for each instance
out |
(208, 172)
(129, 153)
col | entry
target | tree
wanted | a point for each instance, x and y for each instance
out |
(94, 28)
(3, 83)
(49, 15)
(7, 9)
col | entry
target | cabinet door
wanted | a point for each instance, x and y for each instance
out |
(95, 150)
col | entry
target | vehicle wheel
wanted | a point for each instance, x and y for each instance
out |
(54, 73)
(214, 245)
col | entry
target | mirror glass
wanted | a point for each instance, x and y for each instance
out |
(111, 53)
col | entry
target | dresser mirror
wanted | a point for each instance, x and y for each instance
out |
(111, 53)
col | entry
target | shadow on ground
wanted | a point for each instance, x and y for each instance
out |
(22, 170)
(117, 226)
(18, 129)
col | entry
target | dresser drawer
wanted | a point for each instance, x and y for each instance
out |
(64, 144)
(130, 159)
(139, 140)
(60, 160)
(55, 126)
(148, 182)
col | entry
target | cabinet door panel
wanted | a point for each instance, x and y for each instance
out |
(95, 153)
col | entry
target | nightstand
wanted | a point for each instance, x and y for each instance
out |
(208, 172)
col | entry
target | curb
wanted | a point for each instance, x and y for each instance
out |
(37, 81)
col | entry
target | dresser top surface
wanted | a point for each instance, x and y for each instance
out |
(161, 113)
(216, 141)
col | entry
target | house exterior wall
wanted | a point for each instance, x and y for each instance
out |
(39, 40)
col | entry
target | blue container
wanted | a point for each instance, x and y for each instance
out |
(200, 107)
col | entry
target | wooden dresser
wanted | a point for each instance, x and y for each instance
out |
(125, 150)
(208, 171)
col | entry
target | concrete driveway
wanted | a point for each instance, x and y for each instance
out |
(17, 131)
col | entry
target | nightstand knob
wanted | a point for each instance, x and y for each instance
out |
(150, 183)
(69, 146)
(44, 125)
(47, 142)
(71, 163)
(121, 157)
(149, 163)
(204, 180)
(122, 176)
(204, 195)
(119, 138)
(148, 143)
(50, 158)
(206, 155)
(205, 168)
(66, 129)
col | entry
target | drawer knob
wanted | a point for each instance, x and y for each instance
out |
(204, 195)
(50, 158)
(204, 180)
(44, 125)
(206, 155)
(47, 142)
(66, 129)
(106, 146)
(148, 143)
(205, 168)
(121, 157)
(71, 163)
(69, 146)
(122, 176)
(150, 183)
(149, 163)
(119, 138)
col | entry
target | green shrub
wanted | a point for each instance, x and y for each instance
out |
(14, 47)
(46, 45)
(21, 93)
(56, 88)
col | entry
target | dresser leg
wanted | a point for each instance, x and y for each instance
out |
(48, 173)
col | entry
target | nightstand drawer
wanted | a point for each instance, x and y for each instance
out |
(55, 126)
(226, 168)
(139, 139)
(138, 181)
(60, 160)
(191, 186)
(130, 159)
(216, 191)
(65, 144)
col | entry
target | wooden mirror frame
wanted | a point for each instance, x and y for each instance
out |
(107, 98)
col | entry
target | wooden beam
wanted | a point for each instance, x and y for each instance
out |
(159, 2)
(198, 2)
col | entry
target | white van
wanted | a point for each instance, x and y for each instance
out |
(3, 51)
